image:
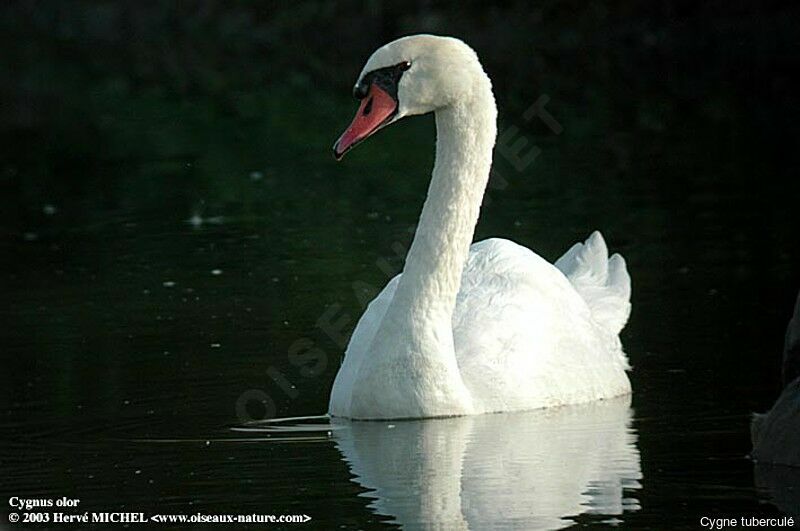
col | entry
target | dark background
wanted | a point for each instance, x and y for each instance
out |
(146, 145)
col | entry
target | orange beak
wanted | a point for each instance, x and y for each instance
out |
(375, 111)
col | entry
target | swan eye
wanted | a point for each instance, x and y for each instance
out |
(360, 90)
(386, 78)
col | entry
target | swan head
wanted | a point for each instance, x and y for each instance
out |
(411, 75)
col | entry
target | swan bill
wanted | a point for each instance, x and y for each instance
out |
(377, 109)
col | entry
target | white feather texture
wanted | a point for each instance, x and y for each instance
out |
(469, 329)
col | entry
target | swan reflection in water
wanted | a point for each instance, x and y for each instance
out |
(529, 470)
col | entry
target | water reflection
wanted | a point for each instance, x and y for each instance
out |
(530, 470)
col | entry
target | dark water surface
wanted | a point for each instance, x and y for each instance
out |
(153, 304)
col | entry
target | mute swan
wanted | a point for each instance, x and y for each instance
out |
(472, 329)
(776, 434)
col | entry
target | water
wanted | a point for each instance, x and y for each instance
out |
(200, 269)
(523, 470)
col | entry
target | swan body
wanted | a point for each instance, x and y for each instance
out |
(488, 327)
(776, 434)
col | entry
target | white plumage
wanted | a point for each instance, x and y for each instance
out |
(488, 327)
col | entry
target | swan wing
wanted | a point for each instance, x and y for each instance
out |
(525, 337)
(524, 333)
(356, 351)
(603, 282)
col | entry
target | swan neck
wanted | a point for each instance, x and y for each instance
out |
(465, 136)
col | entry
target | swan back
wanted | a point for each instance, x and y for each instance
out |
(603, 282)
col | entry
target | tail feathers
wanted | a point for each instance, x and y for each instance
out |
(603, 282)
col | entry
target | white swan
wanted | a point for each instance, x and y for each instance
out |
(472, 329)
